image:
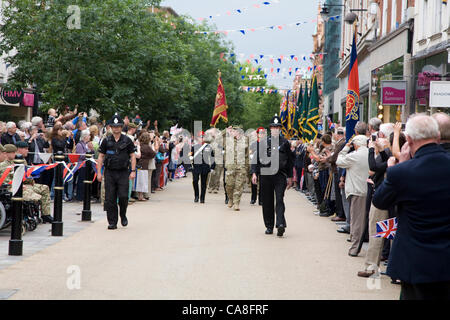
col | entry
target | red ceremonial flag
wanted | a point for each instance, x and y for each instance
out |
(352, 105)
(220, 109)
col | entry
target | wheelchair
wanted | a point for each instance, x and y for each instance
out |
(30, 210)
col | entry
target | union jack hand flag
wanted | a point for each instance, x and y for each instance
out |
(386, 229)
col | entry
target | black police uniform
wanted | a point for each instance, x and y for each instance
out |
(275, 183)
(254, 147)
(116, 175)
(203, 164)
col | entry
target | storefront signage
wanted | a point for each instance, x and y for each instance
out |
(393, 93)
(11, 97)
(440, 94)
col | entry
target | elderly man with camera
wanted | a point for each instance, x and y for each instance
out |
(357, 167)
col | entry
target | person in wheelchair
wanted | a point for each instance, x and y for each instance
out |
(31, 191)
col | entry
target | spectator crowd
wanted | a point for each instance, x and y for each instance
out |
(75, 135)
(365, 180)
(355, 183)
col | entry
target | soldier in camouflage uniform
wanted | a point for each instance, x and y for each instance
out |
(236, 164)
(217, 173)
(31, 191)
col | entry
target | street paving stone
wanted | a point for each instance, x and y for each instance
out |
(174, 248)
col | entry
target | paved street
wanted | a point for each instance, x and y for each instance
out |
(176, 249)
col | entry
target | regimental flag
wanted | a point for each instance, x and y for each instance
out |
(284, 114)
(352, 106)
(295, 130)
(304, 112)
(313, 113)
(220, 108)
(387, 229)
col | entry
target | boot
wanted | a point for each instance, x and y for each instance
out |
(236, 207)
(230, 203)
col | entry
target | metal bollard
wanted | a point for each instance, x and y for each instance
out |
(57, 224)
(86, 214)
(16, 242)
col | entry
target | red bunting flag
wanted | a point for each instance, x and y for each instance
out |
(74, 158)
(220, 108)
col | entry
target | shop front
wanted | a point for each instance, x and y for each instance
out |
(385, 106)
(16, 105)
(433, 68)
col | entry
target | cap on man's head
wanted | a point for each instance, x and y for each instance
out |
(116, 121)
(132, 125)
(10, 148)
(21, 144)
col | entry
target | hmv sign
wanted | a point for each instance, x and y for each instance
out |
(11, 97)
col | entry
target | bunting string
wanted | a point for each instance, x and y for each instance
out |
(239, 11)
(245, 31)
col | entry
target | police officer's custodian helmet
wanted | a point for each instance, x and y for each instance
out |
(276, 121)
(116, 121)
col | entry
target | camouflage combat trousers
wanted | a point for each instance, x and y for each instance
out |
(215, 177)
(38, 192)
(235, 180)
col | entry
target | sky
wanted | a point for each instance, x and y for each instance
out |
(290, 40)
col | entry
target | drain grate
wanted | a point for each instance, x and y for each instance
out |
(6, 294)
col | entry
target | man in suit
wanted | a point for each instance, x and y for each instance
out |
(420, 255)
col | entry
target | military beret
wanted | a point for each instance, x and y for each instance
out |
(9, 148)
(2, 148)
(21, 144)
(132, 125)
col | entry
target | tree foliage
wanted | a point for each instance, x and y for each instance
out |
(124, 58)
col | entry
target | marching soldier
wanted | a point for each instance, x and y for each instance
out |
(275, 174)
(31, 191)
(116, 152)
(202, 155)
(217, 145)
(236, 164)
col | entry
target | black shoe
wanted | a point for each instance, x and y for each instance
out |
(112, 227)
(269, 231)
(280, 231)
(202, 200)
(260, 203)
(226, 201)
(253, 202)
(124, 221)
(342, 230)
(47, 219)
(325, 214)
(196, 199)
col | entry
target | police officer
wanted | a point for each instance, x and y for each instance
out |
(115, 152)
(203, 162)
(256, 188)
(275, 166)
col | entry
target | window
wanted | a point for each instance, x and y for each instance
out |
(404, 10)
(385, 15)
(394, 15)
(438, 16)
(423, 24)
